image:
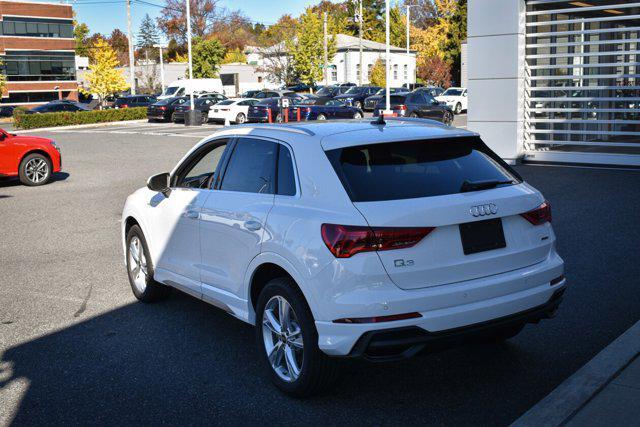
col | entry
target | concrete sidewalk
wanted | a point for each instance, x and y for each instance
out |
(604, 392)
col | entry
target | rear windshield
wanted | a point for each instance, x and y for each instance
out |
(412, 169)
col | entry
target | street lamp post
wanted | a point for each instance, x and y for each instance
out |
(191, 116)
(160, 47)
(387, 111)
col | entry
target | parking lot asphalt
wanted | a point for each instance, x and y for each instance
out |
(75, 347)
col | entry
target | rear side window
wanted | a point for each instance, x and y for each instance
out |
(286, 177)
(251, 168)
(412, 169)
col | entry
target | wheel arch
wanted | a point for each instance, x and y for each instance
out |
(36, 151)
(263, 268)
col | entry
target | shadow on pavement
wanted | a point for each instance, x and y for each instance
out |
(14, 182)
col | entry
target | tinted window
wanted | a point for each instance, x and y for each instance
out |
(231, 101)
(199, 172)
(286, 177)
(411, 169)
(251, 168)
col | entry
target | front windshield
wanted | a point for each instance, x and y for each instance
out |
(324, 91)
(171, 90)
(452, 92)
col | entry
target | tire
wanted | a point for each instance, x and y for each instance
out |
(316, 370)
(357, 115)
(321, 117)
(35, 169)
(358, 104)
(144, 288)
(173, 117)
(447, 118)
(504, 334)
(413, 115)
(241, 118)
(150, 120)
(279, 118)
(458, 108)
(205, 118)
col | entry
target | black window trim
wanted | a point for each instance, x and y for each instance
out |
(197, 155)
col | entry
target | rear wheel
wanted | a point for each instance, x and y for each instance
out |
(458, 108)
(413, 115)
(279, 118)
(173, 117)
(288, 341)
(140, 269)
(35, 169)
(204, 118)
(357, 115)
(322, 117)
(241, 118)
(447, 118)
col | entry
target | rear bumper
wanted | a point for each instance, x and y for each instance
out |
(442, 309)
(400, 343)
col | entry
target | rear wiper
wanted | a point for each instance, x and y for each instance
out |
(481, 185)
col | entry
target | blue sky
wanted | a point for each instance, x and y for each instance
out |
(103, 16)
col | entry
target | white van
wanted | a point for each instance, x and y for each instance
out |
(184, 87)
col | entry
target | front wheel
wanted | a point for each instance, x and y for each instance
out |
(458, 108)
(279, 118)
(447, 118)
(140, 269)
(322, 117)
(357, 115)
(288, 341)
(35, 169)
(413, 115)
(241, 118)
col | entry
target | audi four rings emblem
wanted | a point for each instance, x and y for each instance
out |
(483, 210)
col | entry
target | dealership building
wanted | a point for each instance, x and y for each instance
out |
(37, 51)
(556, 81)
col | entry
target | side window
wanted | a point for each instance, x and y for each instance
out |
(286, 177)
(251, 168)
(429, 99)
(199, 172)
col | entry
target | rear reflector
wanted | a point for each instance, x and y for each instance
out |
(379, 319)
(345, 241)
(539, 215)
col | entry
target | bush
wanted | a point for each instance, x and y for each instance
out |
(43, 120)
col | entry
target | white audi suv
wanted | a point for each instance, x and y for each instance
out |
(347, 239)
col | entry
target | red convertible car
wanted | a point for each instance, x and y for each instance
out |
(33, 159)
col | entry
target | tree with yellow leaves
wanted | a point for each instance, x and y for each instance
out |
(378, 75)
(103, 79)
(3, 77)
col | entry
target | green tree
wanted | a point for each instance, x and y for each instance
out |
(378, 75)
(456, 34)
(148, 36)
(234, 55)
(397, 27)
(306, 49)
(207, 56)
(373, 26)
(81, 34)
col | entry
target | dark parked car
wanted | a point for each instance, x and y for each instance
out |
(133, 101)
(417, 104)
(327, 110)
(6, 110)
(332, 91)
(357, 94)
(301, 87)
(266, 94)
(431, 90)
(202, 104)
(59, 106)
(163, 109)
(249, 94)
(371, 102)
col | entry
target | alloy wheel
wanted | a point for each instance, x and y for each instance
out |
(36, 170)
(137, 264)
(282, 337)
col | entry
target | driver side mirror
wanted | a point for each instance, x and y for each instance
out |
(160, 183)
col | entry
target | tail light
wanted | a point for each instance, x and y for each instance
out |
(305, 110)
(400, 107)
(539, 215)
(124, 106)
(344, 241)
(162, 108)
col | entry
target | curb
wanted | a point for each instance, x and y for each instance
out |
(90, 125)
(576, 391)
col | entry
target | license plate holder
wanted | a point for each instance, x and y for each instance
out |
(481, 236)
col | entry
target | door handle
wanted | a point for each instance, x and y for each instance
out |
(252, 225)
(192, 214)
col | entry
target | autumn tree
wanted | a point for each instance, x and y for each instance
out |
(307, 48)
(378, 75)
(435, 71)
(206, 58)
(234, 30)
(120, 44)
(172, 20)
(103, 79)
(373, 25)
(234, 56)
(276, 59)
(3, 78)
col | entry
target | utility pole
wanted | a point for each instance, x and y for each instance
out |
(326, 60)
(409, 44)
(132, 76)
(387, 59)
(408, 20)
(189, 48)
(360, 34)
(159, 46)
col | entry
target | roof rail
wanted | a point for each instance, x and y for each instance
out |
(416, 120)
(278, 127)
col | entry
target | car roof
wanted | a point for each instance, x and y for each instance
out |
(331, 134)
